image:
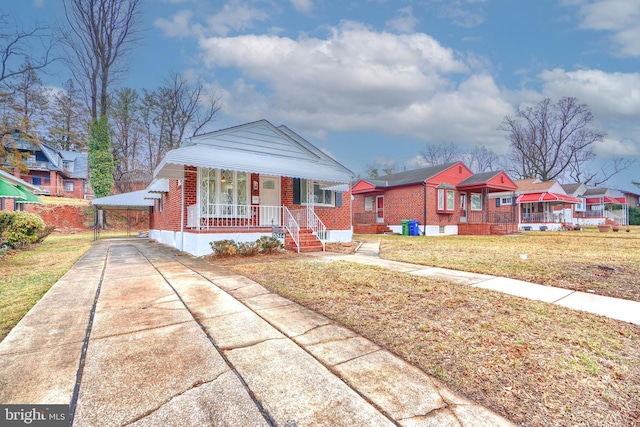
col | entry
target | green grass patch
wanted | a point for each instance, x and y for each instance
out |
(27, 275)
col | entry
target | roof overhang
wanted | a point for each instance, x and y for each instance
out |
(8, 191)
(172, 166)
(135, 200)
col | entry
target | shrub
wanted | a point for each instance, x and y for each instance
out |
(224, 247)
(20, 228)
(248, 248)
(230, 247)
(269, 244)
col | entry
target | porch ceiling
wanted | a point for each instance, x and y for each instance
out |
(172, 166)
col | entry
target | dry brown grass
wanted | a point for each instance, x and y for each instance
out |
(605, 263)
(535, 363)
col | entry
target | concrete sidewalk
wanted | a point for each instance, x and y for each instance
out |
(139, 334)
(615, 308)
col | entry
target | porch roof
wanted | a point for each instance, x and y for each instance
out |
(257, 147)
(603, 199)
(546, 197)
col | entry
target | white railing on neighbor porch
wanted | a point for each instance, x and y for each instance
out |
(307, 218)
(537, 217)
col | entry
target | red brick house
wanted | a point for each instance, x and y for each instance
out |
(444, 199)
(53, 172)
(245, 182)
(15, 193)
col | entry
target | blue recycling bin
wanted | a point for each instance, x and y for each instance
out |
(413, 228)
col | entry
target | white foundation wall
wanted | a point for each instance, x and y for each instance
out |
(429, 230)
(198, 244)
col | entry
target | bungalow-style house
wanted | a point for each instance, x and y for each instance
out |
(542, 205)
(53, 172)
(603, 206)
(245, 182)
(15, 193)
(444, 199)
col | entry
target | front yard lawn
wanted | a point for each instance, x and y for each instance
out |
(604, 263)
(535, 363)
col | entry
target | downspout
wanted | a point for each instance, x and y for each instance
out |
(182, 213)
(424, 209)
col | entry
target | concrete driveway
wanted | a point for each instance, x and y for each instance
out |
(137, 333)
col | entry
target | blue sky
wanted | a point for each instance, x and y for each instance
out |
(377, 80)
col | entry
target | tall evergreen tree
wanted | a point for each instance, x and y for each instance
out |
(100, 159)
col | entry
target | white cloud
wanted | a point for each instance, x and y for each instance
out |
(234, 16)
(608, 95)
(358, 79)
(405, 21)
(302, 6)
(178, 26)
(619, 17)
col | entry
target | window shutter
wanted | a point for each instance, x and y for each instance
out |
(296, 191)
(497, 202)
(338, 199)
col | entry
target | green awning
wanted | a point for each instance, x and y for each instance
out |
(29, 197)
(8, 191)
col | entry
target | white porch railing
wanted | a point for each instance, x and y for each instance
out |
(233, 216)
(292, 226)
(537, 217)
(307, 218)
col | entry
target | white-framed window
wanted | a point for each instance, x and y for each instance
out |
(582, 206)
(68, 186)
(223, 192)
(446, 200)
(67, 164)
(506, 200)
(476, 202)
(320, 197)
(368, 203)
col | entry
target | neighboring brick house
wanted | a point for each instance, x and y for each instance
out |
(53, 172)
(245, 182)
(15, 193)
(444, 199)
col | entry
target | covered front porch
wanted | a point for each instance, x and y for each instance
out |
(546, 211)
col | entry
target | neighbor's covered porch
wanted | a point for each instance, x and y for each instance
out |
(546, 211)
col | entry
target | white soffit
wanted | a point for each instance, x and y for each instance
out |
(132, 200)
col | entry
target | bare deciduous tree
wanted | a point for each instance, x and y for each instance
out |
(68, 119)
(546, 140)
(379, 168)
(481, 159)
(179, 110)
(100, 34)
(580, 173)
(15, 49)
(438, 154)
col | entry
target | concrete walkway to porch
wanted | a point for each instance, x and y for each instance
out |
(615, 308)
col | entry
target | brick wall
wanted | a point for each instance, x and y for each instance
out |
(408, 203)
(334, 218)
(169, 218)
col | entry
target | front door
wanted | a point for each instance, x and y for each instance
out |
(380, 209)
(463, 207)
(269, 201)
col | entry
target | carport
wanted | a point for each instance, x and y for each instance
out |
(141, 201)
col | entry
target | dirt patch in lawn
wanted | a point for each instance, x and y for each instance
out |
(535, 363)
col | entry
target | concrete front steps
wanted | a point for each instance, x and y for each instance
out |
(308, 242)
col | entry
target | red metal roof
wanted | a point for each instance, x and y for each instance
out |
(605, 199)
(545, 197)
